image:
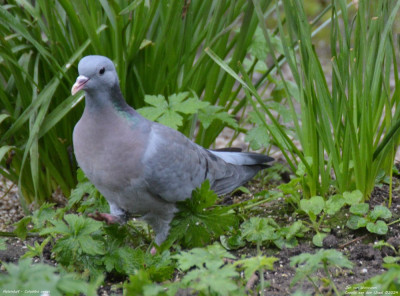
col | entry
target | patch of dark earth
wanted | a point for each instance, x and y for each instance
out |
(356, 245)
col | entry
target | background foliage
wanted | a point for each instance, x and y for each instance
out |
(158, 48)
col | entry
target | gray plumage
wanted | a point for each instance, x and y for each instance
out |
(142, 167)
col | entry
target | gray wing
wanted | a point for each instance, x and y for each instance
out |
(174, 166)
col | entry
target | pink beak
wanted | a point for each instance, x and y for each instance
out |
(79, 84)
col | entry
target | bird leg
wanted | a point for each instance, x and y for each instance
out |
(108, 218)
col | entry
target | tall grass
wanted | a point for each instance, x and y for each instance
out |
(348, 130)
(156, 45)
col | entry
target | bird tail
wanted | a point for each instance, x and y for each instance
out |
(240, 168)
(235, 156)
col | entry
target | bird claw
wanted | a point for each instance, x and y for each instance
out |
(108, 218)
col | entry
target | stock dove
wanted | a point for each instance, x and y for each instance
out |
(142, 167)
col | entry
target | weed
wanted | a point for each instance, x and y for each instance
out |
(308, 264)
(386, 283)
(362, 217)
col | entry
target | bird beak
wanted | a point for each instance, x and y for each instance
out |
(79, 84)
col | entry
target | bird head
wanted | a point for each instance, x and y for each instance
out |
(96, 73)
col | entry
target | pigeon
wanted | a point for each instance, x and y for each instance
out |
(141, 167)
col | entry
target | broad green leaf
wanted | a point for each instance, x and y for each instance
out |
(168, 112)
(21, 229)
(359, 209)
(307, 264)
(217, 281)
(318, 239)
(212, 255)
(199, 219)
(294, 229)
(171, 118)
(210, 113)
(258, 137)
(380, 212)
(353, 222)
(379, 227)
(334, 204)
(353, 197)
(258, 230)
(189, 106)
(313, 205)
(91, 246)
(252, 264)
(391, 259)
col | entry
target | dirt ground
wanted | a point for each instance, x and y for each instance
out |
(356, 245)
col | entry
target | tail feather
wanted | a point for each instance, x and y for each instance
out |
(239, 167)
(242, 158)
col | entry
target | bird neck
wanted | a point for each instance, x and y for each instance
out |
(102, 103)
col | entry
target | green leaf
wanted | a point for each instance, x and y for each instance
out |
(353, 197)
(318, 239)
(258, 230)
(210, 113)
(217, 281)
(212, 255)
(27, 276)
(359, 209)
(379, 227)
(252, 264)
(232, 242)
(307, 264)
(3, 245)
(21, 229)
(171, 118)
(313, 205)
(385, 283)
(353, 222)
(380, 212)
(83, 188)
(294, 229)
(334, 204)
(91, 246)
(137, 282)
(188, 106)
(168, 113)
(258, 137)
(391, 259)
(199, 219)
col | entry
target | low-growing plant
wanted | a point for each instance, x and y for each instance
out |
(259, 230)
(323, 260)
(386, 283)
(317, 209)
(200, 220)
(371, 220)
(388, 259)
(44, 279)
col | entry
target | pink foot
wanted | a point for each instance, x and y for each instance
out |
(153, 251)
(108, 218)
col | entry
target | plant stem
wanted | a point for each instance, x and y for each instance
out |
(330, 279)
(394, 222)
(12, 234)
(260, 271)
(313, 283)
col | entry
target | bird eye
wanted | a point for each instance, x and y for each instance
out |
(102, 70)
